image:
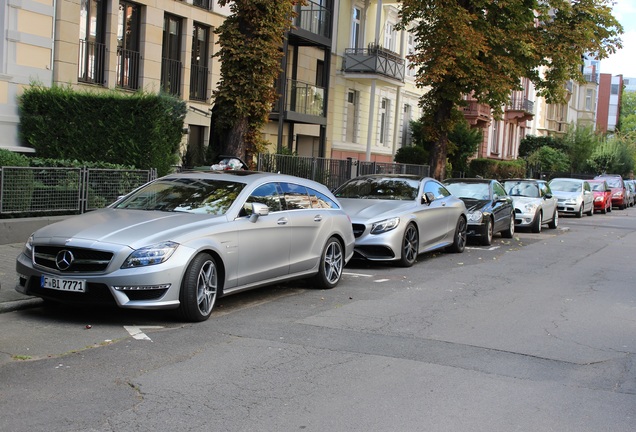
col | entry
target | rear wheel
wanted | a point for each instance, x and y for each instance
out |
(331, 265)
(486, 239)
(459, 239)
(199, 288)
(410, 246)
(510, 232)
(537, 224)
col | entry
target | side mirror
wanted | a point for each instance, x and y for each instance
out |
(428, 198)
(258, 209)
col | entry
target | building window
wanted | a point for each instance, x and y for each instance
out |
(355, 27)
(128, 45)
(614, 89)
(494, 143)
(199, 65)
(92, 49)
(390, 35)
(410, 49)
(171, 56)
(588, 100)
(384, 121)
(351, 126)
(407, 137)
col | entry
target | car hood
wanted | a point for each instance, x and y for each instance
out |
(566, 195)
(134, 228)
(473, 204)
(363, 209)
(521, 201)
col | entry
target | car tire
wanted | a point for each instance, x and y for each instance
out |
(331, 265)
(579, 214)
(604, 210)
(537, 223)
(510, 232)
(489, 232)
(459, 236)
(554, 223)
(199, 288)
(410, 246)
(591, 211)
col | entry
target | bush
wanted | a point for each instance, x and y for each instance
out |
(11, 159)
(489, 168)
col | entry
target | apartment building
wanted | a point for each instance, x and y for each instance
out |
(374, 92)
(608, 111)
(26, 55)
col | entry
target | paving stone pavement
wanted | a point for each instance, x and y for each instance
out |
(10, 299)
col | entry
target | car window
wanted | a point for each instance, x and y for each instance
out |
(565, 186)
(522, 188)
(498, 189)
(320, 200)
(189, 195)
(267, 194)
(387, 188)
(470, 190)
(295, 196)
(436, 188)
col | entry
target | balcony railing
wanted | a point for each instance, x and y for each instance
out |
(374, 60)
(521, 104)
(91, 62)
(127, 69)
(305, 98)
(198, 82)
(171, 76)
(314, 18)
(591, 77)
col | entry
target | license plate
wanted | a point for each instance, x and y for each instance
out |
(75, 285)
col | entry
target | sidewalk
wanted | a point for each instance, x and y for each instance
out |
(10, 299)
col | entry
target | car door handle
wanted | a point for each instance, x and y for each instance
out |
(318, 218)
(282, 221)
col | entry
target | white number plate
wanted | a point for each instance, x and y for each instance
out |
(76, 285)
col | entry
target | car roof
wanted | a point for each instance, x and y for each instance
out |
(397, 176)
(469, 180)
(245, 176)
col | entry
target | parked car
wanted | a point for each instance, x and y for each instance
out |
(619, 191)
(574, 196)
(602, 195)
(630, 187)
(490, 209)
(184, 240)
(397, 217)
(534, 203)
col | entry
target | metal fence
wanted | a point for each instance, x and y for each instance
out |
(36, 191)
(332, 172)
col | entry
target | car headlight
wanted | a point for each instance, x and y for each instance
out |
(530, 208)
(618, 195)
(150, 255)
(28, 247)
(475, 216)
(570, 201)
(598, 199)
(385, 225)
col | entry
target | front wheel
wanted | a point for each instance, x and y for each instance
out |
(199, 288)
(554, 223)
(410, 246)
(486, 239)
(579, 214)
(459, 236)
(591, 211)
(331, 265)
(538, 222)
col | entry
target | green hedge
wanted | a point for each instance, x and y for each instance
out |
(141, 130)
(489, 168)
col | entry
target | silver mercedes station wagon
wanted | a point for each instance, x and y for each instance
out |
(186, 239)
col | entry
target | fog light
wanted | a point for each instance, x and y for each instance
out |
(142, 287)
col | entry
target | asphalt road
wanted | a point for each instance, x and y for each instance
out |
(536, 333)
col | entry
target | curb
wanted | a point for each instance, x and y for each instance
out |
(20, 304)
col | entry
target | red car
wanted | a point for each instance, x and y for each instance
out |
(602, 195)
(619, 191)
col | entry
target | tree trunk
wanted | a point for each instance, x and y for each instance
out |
(235, 139)
(443, 120)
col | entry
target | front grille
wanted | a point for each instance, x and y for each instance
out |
(358, 229)
(96, 293)
(84, 260)
(145, 294)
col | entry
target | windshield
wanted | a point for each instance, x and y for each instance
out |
(522, 188)
(597, 186)
(469, 190)
(614, 182)
(188, 195)
(565, 185)
(385, 188)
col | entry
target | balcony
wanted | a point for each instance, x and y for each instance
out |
(312, 24)
(374, 61)
(91, 62)
(127, 69)
(477, 114)
(303, 103)
(171, 76)
(519, 109)
(591, 77)
(198, 83)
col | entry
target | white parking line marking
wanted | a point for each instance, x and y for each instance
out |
(381, 280)
(488, 249)
(135, 331)
(357, 274)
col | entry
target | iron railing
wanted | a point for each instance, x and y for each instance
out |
(36, 191)
(91, 62)
(171, 76)
(374, 60)
(305, 98)
(520, 104)
(198, 82)
(314, 18)
(127, 69)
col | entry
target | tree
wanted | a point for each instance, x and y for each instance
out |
(463, 142)
(485, 47)
(580, 142)
(251, 38)
(627, 119)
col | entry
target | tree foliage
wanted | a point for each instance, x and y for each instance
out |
(250, 38)
(485, 47)
(627, 119)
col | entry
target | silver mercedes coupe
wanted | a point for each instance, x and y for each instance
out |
(184, 240)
